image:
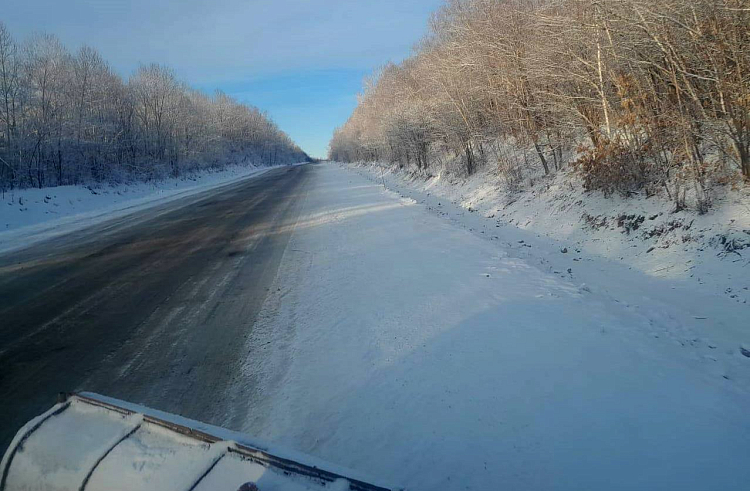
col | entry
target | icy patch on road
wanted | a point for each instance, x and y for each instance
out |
(400, 345)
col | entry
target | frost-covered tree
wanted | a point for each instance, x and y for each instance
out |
(68, 118)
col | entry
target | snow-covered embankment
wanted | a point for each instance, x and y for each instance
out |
(30, 215)
(710, 251)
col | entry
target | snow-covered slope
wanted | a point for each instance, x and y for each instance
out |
(439, 356)
(711, 250)
(31, 215)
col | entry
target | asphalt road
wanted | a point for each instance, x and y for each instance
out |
(153, 308)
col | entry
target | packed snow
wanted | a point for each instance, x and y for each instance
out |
(711, 250)
(31, 215)
(405, 342)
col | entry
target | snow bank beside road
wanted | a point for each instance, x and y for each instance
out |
(710, 293)
(400, 345)
(30, 215)
(712, 251)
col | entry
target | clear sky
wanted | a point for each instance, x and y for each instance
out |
(302, 61)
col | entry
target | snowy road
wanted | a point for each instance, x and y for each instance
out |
(152, 307)
(404, 346)
(314, 309)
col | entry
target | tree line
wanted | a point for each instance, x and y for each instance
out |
(640, 95)
(69, 118)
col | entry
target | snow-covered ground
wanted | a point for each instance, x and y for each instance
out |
(712, 250)
(437, 353)
(30, 215)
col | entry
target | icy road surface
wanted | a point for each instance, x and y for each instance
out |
(399, 344)
(152, 307)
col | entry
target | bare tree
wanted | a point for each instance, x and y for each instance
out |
(654, 94)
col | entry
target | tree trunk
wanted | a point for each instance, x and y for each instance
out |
(744, 154)
(469, 158)
(541, 158)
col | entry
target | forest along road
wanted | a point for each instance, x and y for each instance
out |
(153, 307)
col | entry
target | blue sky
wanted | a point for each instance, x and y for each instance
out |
(307, 104)
(302, 61)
